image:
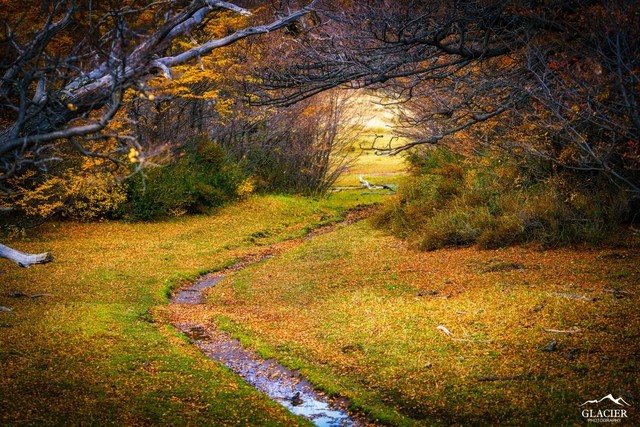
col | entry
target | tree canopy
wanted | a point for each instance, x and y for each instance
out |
(66, 70)
(117, 82)
(558, 80)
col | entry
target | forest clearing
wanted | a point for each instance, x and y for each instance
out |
(319, 212)
(355, 311)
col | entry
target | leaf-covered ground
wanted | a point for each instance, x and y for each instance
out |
(355, 310)
(359, 314)
(94, 351)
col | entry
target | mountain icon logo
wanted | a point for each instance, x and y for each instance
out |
(619, 401)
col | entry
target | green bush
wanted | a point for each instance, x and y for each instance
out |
(200, 179)
(452, 200)
(80, 188)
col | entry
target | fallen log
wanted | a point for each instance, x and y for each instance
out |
(24, 260)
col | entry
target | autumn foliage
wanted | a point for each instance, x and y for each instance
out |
(554, 85)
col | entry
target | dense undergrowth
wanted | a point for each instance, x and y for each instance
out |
(201, 178)
(196, 178)
(492, 202)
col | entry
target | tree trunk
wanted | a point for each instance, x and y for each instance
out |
(22, 259)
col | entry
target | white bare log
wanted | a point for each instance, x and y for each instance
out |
(364, 182)
(24, 260)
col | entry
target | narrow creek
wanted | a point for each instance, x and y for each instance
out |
(280, 384)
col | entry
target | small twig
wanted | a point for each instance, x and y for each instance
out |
(6, 309)
(557, 331)
(466, 340)
(17, 294)
(510, 378)
(445, 330)
(617, 292)
(450, 334)
(34, 296)
(494, 378)
(551, 346)
(572, 296)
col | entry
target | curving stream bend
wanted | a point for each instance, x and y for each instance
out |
(268, 376)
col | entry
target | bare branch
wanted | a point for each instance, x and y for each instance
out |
(434, 139)
(211, 45)
(46, 111)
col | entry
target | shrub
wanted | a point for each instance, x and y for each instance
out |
(453, 200)
(302, 149)
(96, 198)
(196, 181)
(81, 189)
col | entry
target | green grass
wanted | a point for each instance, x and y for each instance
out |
(355, 310)
(96, 352)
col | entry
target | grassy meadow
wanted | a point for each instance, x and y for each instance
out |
(93, 351)
(453, 336)
(359, 313)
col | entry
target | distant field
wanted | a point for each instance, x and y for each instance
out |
(378, 169)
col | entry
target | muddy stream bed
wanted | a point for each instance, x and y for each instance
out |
(280, 384)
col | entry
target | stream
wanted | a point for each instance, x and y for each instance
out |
(279, 383)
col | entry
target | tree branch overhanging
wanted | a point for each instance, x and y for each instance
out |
(436, 138)
(89, 95)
